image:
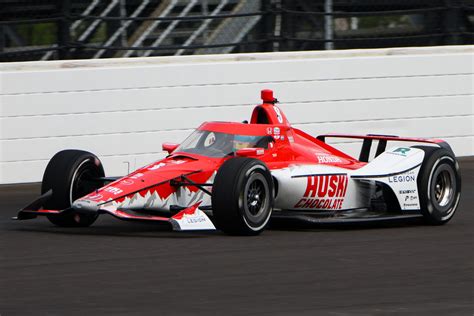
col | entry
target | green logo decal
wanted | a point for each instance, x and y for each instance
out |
(402, 150)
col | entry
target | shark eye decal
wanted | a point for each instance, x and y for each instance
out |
(210, 140)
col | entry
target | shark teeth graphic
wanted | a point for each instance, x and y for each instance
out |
(151, 199)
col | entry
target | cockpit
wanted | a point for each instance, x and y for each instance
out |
(219, 144)
(221, 139)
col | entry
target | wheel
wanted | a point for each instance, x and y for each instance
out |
(439, 185)
(242, 196)
(67, 174)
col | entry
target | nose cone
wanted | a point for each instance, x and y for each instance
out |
(150, 187)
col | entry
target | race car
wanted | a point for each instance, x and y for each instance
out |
(235, 177)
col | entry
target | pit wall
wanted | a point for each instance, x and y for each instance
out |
(123, 109)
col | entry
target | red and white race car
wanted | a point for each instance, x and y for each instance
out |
(236, 176)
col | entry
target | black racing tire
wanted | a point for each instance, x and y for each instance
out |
(439, 185)
(66, 175)
(242, 196)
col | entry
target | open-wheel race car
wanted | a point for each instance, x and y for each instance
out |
(237, 176)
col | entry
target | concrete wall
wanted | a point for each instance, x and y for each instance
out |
(123, 109)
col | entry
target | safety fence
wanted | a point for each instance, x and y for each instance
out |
(124, 109)
(81, 29)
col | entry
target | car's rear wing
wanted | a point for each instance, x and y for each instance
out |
(382, 142)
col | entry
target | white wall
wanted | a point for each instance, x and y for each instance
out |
(123, 109)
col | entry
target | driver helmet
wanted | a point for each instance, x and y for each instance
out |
(242, 141)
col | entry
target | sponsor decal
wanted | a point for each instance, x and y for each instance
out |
(177, 162)
(278, 114)
(113, 190)
(401, 151)
(269, 130)
(136, 176)
(322, 159)
(410, 204)
(410, 177)
(94, 197)
(127, 182)
(324, 192)
(194, 220)
(407, 191)
(81, 202)
(157, 166)
(210, 140)
(276, 132)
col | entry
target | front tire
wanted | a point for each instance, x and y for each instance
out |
(68, 175)
(439, 185)
(242, 196)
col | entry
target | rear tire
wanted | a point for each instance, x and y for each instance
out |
(242, 196)
(439, 185)
(66, 175)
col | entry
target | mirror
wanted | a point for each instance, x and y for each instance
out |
(250, 152)
(169, 147)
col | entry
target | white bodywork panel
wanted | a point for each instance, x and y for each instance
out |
(319, 187)
(323, 187)
(192, 218)
(398, 168)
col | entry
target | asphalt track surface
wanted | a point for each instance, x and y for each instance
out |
(124, 268)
